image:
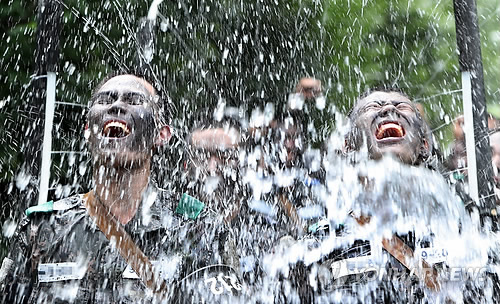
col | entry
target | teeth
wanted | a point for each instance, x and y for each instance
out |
(390, 130)
(117, 124)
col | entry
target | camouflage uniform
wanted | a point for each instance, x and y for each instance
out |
(61, 256)
(354, 272)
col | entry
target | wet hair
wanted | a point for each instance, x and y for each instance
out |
(379, 88)
(161, 114)
(423, 129)
(204, 119)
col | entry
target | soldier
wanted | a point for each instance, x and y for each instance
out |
(212, 164)
(384, 124)
(308, 91)
(211, 175)
(247, 230)
(123, 242)
(283, 175)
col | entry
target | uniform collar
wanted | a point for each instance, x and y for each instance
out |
(154, 212)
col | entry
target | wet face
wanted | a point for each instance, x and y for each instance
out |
(309, 88)
(391, 125)
(215, 151)
(292, 142)
(121, 121)
(459, 157)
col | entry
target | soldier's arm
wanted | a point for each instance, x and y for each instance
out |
(16, 273)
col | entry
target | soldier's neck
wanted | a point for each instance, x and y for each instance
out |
(120, 190)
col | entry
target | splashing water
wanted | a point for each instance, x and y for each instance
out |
(399, 199)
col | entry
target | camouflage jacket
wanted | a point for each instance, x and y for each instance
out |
(60, 256)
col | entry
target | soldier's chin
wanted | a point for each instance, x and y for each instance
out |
(121, 158)
(399, 152)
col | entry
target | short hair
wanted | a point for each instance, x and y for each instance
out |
(423, 130)
(204, 119)
(378, 88)
(161, 116)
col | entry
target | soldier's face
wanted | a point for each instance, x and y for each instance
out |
(213, 163)
(390, 124)
(215, 150)
(121, 121)
(291, 140)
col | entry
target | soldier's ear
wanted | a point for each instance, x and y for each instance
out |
(425, 151)
(163, 136)
(86, 133)
(349, 142)
(346, 148)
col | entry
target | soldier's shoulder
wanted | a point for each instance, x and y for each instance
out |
(74, 202)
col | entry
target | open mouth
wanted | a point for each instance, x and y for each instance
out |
(115, 129)
(389, 130)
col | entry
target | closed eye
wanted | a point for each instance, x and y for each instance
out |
(404, 107)
(104, 98)
(372, 106)
(134, 98)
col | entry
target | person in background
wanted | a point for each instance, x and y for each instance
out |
(308, 94)
(457, 160)
(211, 164)
(284, 179)
(212, 186)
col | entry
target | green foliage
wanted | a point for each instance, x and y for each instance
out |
(245, 52)
(17, 35)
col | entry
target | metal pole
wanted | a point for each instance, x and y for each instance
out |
(47, 137)
(469, 136)
(476, 123)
